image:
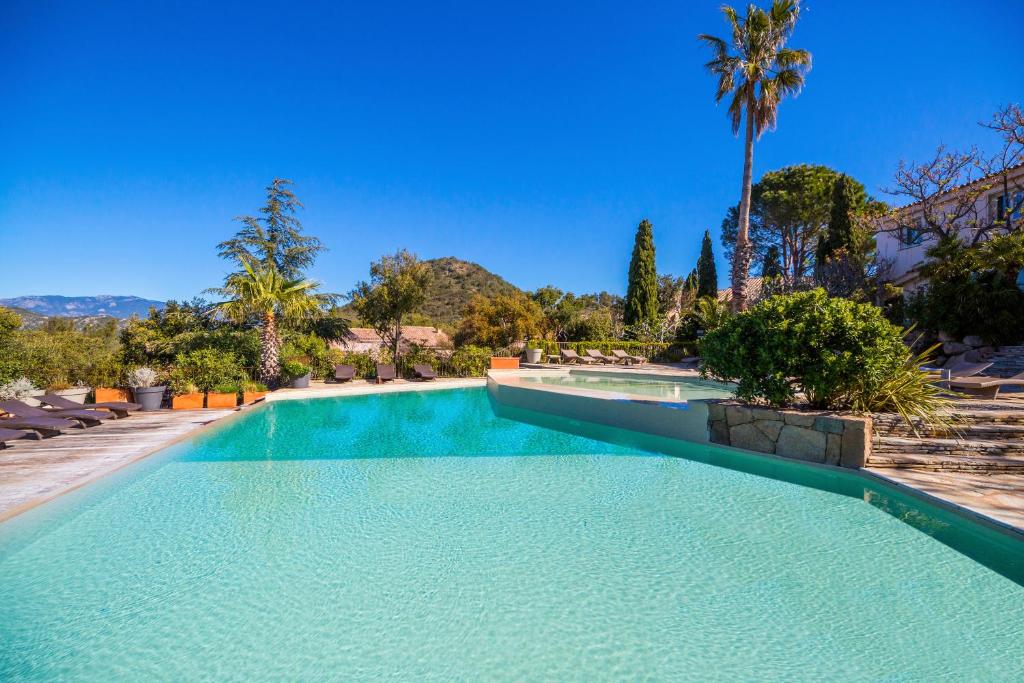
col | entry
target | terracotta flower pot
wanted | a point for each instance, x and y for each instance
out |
(501, 363)
(252, 396)
(110, 395)
(187, 401)
(216, 400)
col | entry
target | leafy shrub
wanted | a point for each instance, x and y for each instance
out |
(804, 342)
(205, 369)
(291, 369)
(972, 290)
(470, 361)
(250, 385)
(227, 388)
(17, 389)
(418, 355)
(310, 350)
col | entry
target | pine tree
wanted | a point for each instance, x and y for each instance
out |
(642, 291)
(707, 275)
(691, 281)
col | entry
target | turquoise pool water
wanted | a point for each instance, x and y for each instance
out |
(680, 389)
(419, 536)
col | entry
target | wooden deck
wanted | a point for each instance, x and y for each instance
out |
(33, 471)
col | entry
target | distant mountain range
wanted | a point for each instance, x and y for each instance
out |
(454, 283)
(121, 307)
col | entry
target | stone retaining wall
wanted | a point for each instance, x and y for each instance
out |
(822, 437)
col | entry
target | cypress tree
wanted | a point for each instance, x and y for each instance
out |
(691, 281)
(772, 266)
(642, 291)
(707, 275)
(839, 234)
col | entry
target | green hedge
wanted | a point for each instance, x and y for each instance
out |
(649, 350)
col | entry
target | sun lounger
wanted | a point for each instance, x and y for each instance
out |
(570, 356)
(12, 435)
(627, 358)
(344, 373)
(424, 371)
(385, 373)
(45, 426)
(985, 387)
(89, 418)
(118, 408)
(600, 357)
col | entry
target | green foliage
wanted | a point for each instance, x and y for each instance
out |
(183, 327)
(470, 361)
(292, 369)
(708, 314)
(790, 209)
(642, 289)
(365, 364)
(500, 321)
(396, 289)
(310, 350)
(227, 388)
(972, 290)
(249, 385)
(839, 233)
(650, 350)
(451, 284)
(274, 239)
(805, 342)
(771, 266)
(909, 391)
(205, 369)
(58, 360)
(707, 274)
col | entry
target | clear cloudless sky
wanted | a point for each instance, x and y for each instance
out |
(530, 137)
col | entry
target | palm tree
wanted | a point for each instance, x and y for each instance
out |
(759, 74)
(261, 291)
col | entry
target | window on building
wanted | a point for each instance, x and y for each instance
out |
(911, 235)
(1005, 204)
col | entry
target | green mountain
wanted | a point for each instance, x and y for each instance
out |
(455, 282)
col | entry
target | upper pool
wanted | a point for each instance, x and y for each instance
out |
(421, 536)
(680, 388)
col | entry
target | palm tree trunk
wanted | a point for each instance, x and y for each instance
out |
(270, 360)
(741, 254)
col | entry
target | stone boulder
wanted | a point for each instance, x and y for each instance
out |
(801, 443)
(973, 340)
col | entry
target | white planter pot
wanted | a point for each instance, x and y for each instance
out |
(29, 400)
(533, 355)
(76, 394)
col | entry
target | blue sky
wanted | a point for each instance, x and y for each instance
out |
(530, 137)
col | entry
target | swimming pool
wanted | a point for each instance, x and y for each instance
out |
(419, 535)
(678, 389)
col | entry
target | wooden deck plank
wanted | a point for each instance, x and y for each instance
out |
(33, 471)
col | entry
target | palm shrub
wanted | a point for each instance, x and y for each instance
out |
(261, 291)
(805, 342)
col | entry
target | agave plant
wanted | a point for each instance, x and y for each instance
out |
(911, 392)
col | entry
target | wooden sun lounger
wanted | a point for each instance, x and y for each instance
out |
(344, 373)
(628, 358)
(570, 356)
(385, 373)
(600, 357)
(45, 426)
(13, 435)
(22, 410)
(985, 387)
(424, 371)
(118, 408)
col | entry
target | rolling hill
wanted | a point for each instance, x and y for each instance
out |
(455, 282)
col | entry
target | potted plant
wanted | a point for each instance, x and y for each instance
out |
(75, 393)
(186, 397)
(534, 352)
(106, 378)
(224, 395)
(18, 389)
(295, 374)
(144, 385)
(252, 392)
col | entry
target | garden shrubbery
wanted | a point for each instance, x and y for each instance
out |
(832, 350)
(205, 370)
